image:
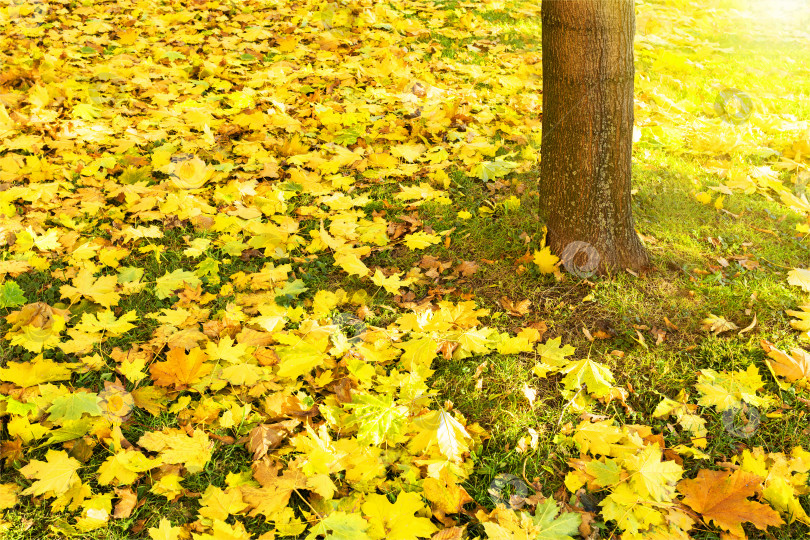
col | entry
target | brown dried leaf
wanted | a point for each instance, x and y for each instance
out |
(127, 502)
(518, 309)
(265, 437)
(467, 268)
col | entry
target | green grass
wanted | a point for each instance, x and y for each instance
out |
(687, 284)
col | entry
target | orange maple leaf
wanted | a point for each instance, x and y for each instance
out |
(722, 497)
(181, 370)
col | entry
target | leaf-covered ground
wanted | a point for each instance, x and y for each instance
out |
(275, 270)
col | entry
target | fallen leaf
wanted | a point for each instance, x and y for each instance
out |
(518, 309)
(126, 503)
(717, 325)
(794, 368)
(800, 277)
(722, 498)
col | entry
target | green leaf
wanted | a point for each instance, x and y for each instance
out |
(72, 430)
(133, 175)
(171, 281)
(348, 136)
(341, 526)
(292, 288)
(208, 267)
(17, 407)
(594, 375)
(607, 473)
(378, 418)
(128, 274)
(174, 55)
(11, 295)
(552, 527)
(73, 406)
(551, 353)
(489, 170)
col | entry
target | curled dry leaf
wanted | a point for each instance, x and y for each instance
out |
(749, 327)
(127, 500)
(515, 309)
(717, 325)
(530, 393)
(795, 368)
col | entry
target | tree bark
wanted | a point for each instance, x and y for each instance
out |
(587, 143)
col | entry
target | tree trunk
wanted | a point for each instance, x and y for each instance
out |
(588, 131)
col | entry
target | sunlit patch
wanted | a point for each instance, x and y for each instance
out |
(788, 12)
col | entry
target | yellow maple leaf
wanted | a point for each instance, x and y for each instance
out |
(440, 428)
(408, 152)
(794, 368)
(418, 354)
(106, 322)
(8, 495)
(800, 277)
(600, 437)
(168, 486)
(226, 350)
(37, 326)
(100, 291)
(391, 283)
(300, 358)
(38, 371)
(218, 504)
(421, 240)
(418, 194)
(54, 476)
(398, 520)
(630, 509)
(651, 476)
(717, 325)
(728, 389)
(351, 264)
(545, 260)
(165, 531)
(514, 345)
(175, 446)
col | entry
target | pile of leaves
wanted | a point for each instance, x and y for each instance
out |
(198, 202)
